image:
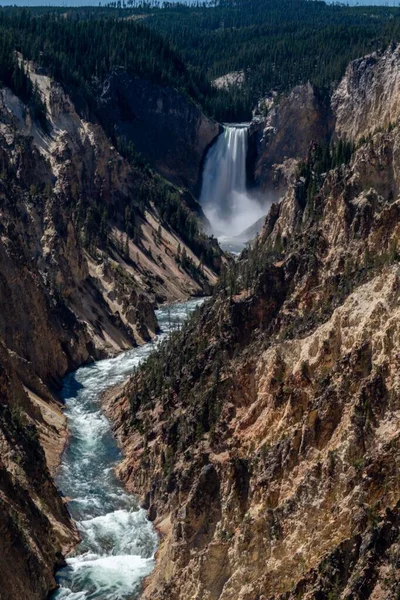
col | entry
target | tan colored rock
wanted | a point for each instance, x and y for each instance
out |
(368, 97)
(271, 452)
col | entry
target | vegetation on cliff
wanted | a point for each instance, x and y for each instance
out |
(276, 44)
(81, 52)
(255, 434)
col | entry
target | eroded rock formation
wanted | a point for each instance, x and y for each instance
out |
(265, 437)
(367, 99)
(35, 526)
(86, 254)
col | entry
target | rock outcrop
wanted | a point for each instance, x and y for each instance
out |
(68, 301)
(168, 129)
(366, 102)
(35, 526)
(368, 97)
(265, 437)
(285, 135)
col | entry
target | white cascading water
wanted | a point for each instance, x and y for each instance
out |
(229, 208)
(118, 542)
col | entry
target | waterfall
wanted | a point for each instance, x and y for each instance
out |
(228, 206)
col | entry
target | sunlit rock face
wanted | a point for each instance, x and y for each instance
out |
(265, 439)
(368, 97)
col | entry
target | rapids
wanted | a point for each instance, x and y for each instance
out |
(118, 542)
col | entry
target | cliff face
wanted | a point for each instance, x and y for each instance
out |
(367, 99)
(285, 134)
(264, 438)
(34, 523)
(68, 302)
(167, 128)
(365, 102)
(89, 244)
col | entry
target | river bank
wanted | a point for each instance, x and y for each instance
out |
(118, 543)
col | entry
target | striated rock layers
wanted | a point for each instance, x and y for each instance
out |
(265, 437)
(86, 253)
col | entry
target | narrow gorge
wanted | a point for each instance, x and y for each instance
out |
(264, 438)
(199, 318)
(117, 541)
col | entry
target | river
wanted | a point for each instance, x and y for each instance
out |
(118, 542)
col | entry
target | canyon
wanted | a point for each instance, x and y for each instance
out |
(263, 437)
(77, 283)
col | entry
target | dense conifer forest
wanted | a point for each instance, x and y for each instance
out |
(275, 43)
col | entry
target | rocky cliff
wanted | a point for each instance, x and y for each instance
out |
(367, 99)
(35, 526)
(292, 123)
(166, 127)
(90, 242)
(365, 102)
(264, 437)
(64, 300)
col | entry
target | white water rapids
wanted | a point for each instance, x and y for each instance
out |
(227, 204)
(118, 542)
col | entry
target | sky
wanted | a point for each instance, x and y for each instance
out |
(96, 2)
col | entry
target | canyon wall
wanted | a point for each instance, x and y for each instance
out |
(367, 99)
(264, 438)
(35, 526)
(90, 243)
(292, 123)
(364, 103)
(167, 128)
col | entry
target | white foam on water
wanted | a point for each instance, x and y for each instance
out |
(228, 206)
(113, 532)
(118, 542)
(111, 577)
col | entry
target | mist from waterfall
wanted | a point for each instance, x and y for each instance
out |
(226, 203)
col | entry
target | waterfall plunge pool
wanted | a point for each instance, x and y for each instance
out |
(118, 542)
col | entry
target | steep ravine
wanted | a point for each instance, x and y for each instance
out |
(117, 541)
(87, 253)
(264, 439)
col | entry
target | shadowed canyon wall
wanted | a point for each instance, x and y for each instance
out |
(87, 251)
